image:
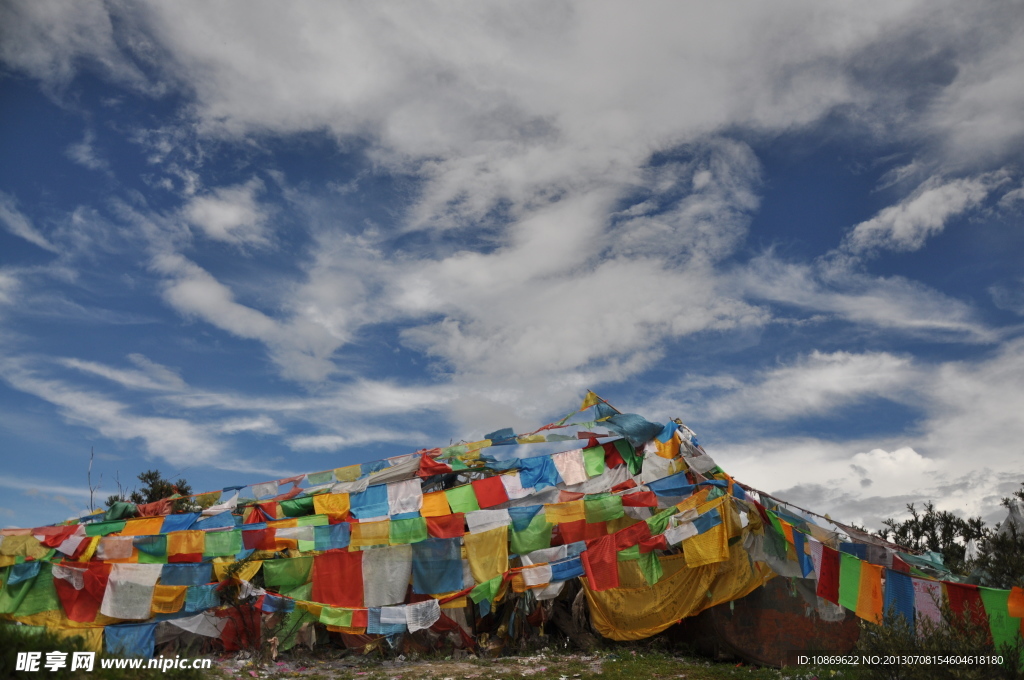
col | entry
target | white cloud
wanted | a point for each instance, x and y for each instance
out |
(817, 384)
(908, 224)
(84, 153)
(51, 40)
(9, 285)
(173, 439)
(839, 289)
(230, 214)
(152, 376)
(18, 224)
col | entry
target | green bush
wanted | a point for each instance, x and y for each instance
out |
(954, 636)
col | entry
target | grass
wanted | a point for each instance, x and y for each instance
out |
(14, 639)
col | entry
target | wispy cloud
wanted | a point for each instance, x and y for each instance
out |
(908, 224)
(21, 226)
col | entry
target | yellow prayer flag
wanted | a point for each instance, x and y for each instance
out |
(488, 553)
(669, 449)
(367, 534)
(590, 400)
(185, 542)
(349, 473)
(570, 511)
(90, 549)
(143, 526)
(334, 505)
(221, 565)
(168, 599)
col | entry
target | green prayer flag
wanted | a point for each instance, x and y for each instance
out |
(332, 616)
(287, 573)
(650, 566)
(152, 549)
(775, 543)
(602, 508)
(297, 507)
(593, 461)
(104, 528)
(659, 522)
(1004, 627)
(450, 451)
(536, 536)
(630, 553)
(849, 581)
(462, 498)
(222, 543)
(633, 461)
(288, 631)
(31, 596)
(457, 464)
(318, 478)
(411, 530)
(303, 592)
(120, 510)
(488, 590)
(312, 521)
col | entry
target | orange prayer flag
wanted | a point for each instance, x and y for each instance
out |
(1015, 604)
(435, 505)
(869, 595)
(143, 526)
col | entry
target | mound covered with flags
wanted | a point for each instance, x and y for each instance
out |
(442, 546)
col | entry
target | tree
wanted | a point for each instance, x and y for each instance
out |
(154, 488)
(936, 531)
(1000, 561)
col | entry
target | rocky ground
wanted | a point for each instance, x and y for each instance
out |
(543, 665)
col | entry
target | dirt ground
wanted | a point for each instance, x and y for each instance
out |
(543, 665)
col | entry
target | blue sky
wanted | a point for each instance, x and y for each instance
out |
(240, 240)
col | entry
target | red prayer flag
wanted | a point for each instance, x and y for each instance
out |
(258, 539)
(262, 512)
(612, 457)
(631, 535)
(489, 492)
(338, 579)
(288, 495)
(653, 543)
(52, 537)
(601, 563)
(161, 507)
(82, 605)
(581, 530)
(569, 496)
(828, 579)
(430, 467)
(965, 601)
(628, 484)
(640, 499)
(447, 526)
